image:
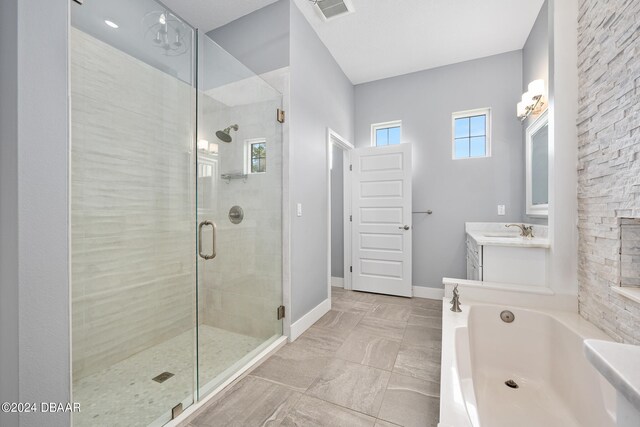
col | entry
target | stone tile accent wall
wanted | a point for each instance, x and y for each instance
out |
(608, 158)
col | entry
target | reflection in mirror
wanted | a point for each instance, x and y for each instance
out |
(537, 141)
(540, 167)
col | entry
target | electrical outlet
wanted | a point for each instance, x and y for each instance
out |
(501, 210)
(299, 209)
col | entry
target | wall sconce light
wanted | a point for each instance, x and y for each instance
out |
(532, 100)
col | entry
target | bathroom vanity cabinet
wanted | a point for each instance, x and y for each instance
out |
(474, 260)
(514, 265)
(497, 255)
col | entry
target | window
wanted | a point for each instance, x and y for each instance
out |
(472, 134)
(387, 133)
(256, 155)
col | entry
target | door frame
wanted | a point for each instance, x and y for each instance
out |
(333, 138)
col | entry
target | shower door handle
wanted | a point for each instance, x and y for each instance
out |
(213, 239)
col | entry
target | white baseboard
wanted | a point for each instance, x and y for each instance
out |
(338, 282)
(429, 293)
(305, 322)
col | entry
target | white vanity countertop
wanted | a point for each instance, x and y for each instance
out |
(496, 234)
(618, 363)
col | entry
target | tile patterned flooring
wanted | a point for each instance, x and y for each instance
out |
(373, 360)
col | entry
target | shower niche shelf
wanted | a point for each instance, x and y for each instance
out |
(230, 176)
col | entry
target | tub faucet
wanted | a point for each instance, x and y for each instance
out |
(455, 301)
(525, 230)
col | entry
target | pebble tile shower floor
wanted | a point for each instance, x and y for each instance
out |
(373, 360)
(126, 395)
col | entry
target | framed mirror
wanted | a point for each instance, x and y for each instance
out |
(537, 165)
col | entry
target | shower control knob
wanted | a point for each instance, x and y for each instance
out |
(236, 214)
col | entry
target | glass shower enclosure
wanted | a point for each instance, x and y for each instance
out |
(176, 213)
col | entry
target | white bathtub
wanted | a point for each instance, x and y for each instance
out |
(541, 351)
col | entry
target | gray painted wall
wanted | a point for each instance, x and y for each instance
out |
(34, 200)
(260, 40)
(9, 391)
(337, 213)
(535, 53)
(535, 65)
(321, 97)
(456, 190)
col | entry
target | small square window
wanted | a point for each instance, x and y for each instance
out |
(256, 155)
(387, 133)
(471, 134)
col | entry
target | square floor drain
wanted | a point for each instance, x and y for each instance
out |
(162, 377)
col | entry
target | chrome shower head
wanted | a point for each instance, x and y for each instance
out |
(224, 135)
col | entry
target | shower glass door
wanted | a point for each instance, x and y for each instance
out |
(239, 209)
(176, 213)
(132, 212)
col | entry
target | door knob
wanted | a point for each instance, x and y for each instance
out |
(406, 227)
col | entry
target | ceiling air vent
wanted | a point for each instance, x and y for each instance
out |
(333, 8)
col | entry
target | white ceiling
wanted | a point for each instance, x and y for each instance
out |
(386, 38)
(209, 14)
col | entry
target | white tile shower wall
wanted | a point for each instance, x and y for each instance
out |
(608, 157)
(242, 285)
(132, 208)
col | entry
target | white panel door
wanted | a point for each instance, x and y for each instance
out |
(381, 228)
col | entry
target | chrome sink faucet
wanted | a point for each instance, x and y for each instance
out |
(525, 230)
(455, 301)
